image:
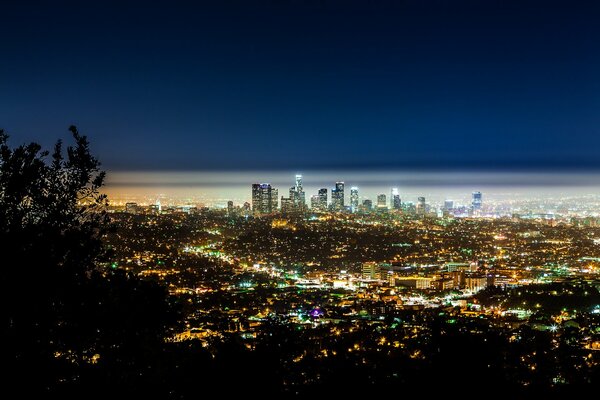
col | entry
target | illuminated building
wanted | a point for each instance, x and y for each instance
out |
(448, 204)
(301, 197)
(476, 201)
(131, 208)
(322, 199)
(421, 206)
(296, 202)
(395, 202)
(416, 282)
(475, 283)
(337, 197)
(264, 198)
(371, 270)
(367, 205)
(287, 205)
(230, 207)
(381, 202)
(246, 208)
(314, 202)
(354, 199)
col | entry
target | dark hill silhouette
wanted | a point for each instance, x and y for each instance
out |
(69, 321)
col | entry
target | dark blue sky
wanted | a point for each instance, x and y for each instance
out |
(308, 84)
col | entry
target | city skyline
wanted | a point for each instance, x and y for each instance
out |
(215, 189)
(300, 199)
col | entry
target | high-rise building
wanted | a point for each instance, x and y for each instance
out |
(287, 205)
(448, 204)
(476, 201)
(246, 208)
(395, 203)
(300, 191)
(381, 202)
(297, 198)
(230, 207)
(314, 202)
(323, 199)
(354, 199)
(367, 205)
(421, 206)
(337, 196)
(264, 198)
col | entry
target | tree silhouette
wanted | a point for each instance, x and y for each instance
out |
(68, 320)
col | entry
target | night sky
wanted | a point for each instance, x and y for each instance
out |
(277, 85)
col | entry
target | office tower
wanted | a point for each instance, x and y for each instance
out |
(367, 205)
(301, 196)
(476, 201)
(297, 197)
(448, 204)
(287, 205)
(337, 196)
(421, 206)
(246, 208)
(264, 198)
(322, 199)
(273, 200)
(230, 207)
(371, 270)
(381, 202)
(314, 202)
(131, 208)
(354, 199)
(395, 203)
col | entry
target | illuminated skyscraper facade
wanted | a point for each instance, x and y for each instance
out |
(381, 202)
(337, 196)
(448, 204)
(264, 198)
(395, 203)
(322, 199)
(421, 206)
(354, 199)
(476, 201)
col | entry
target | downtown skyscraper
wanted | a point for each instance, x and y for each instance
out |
(354, 199)
(395, 202)
(337, 197)
(264, 198)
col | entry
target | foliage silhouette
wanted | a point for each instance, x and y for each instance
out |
(69, 320)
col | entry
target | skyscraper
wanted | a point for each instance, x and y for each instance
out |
(354, 199)
(300, 195)
(337, 196)
(381, 202)
(323, 199)
(421, 206)
(229, 207)
(264, 198)
(476, 201)
(367, 205)
(314, 202)
(448, 204)
(297, 198)
(395, 203)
